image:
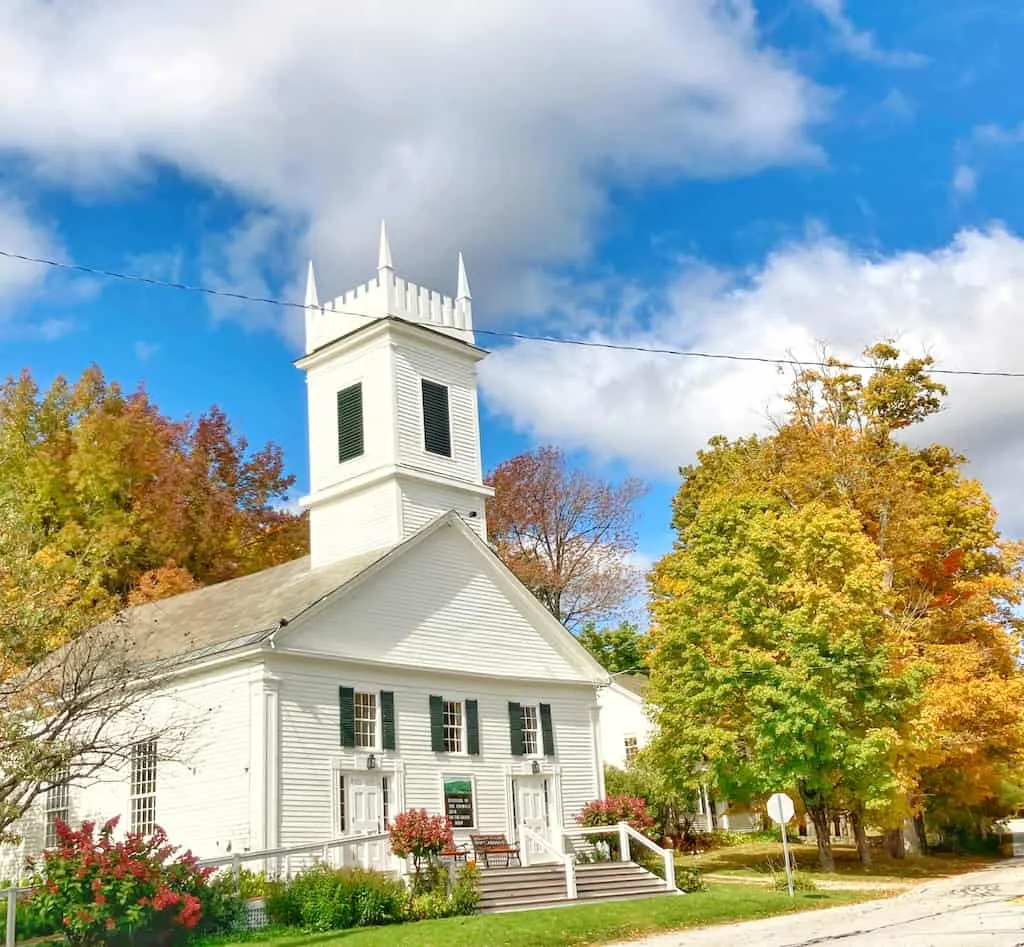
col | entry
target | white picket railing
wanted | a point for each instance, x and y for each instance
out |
(359, 843)
(526, 834)
(626, 832)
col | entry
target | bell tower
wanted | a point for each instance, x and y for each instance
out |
(394, 432)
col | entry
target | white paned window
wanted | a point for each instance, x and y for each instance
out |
(530, 730)
(143, 787)
(632, 748)
(57, 806)
(366, 720)
(452, 726)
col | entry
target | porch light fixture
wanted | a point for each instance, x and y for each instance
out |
(371, 762)
(535, 767)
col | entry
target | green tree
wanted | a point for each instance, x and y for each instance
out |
(770, 661)
(937, 620)
(621, 649)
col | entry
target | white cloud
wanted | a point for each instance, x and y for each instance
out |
(962, 303)
(491, 126)
(21, 281)
(144, 351)
(860, 43)
(965, 180)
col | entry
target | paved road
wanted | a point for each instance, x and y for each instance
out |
(973, 910)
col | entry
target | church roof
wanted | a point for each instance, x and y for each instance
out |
(234, 613)
(634, 683)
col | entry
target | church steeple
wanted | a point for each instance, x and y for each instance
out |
(394, 435)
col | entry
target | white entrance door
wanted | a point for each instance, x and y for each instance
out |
(364, 815)
(533, 807)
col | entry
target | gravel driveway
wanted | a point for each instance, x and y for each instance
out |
(981, 909)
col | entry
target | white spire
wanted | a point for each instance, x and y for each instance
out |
(384, 257)
(463, 290)
(311, 296)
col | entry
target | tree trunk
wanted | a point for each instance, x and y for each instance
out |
(922, 837)
(894, 843)
(857, 823)
(816, 804)
(819, 816)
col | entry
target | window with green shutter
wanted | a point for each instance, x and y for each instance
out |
(437, 432)
(547, 730)
(472, 728)
(347, 712)
(350, 422)
(387, 720)
(515, 729)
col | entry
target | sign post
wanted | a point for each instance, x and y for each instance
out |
(780, 811)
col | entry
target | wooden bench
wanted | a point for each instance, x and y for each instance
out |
(484, 846)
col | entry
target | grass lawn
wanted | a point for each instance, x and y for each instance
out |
(584, 924)
(753, 858)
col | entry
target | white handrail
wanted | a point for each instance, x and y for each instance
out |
(525, 834)
(237, 859)
(626, 832)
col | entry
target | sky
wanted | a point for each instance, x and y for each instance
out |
(728, 177)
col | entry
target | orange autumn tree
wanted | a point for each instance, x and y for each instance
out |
(946, 599)
(104, 501)
(568, 535)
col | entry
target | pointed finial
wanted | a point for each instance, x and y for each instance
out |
(311, 296)
(384, 257)
(463, 290)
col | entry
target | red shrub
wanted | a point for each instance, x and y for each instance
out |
(420, 835)
(95, 889)
(615, 809)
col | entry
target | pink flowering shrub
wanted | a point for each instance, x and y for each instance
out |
(611, 811)
(420, 835)
(615, 809)
(97, 891)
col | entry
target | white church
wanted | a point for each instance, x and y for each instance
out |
(400, 664)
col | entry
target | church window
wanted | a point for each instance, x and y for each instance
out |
(631, 747)
(530, 730)
(366, 720)
(452, 726)
(350, 422)
(57, 806)
(437, 432)
(143, 787)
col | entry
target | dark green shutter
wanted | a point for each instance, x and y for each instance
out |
(347, 707)
(515, 729)
(437, 433)
(472, 728)
(546, 730)
(350, 422)
(387, 720)
(436, 724)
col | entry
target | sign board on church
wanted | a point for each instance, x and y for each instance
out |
(458, 803)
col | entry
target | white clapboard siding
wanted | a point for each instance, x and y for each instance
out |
(411, 365)
(354, 523)
(438, 605)
(424, 502)
(202, 799)
(622, 716)
(310, 743)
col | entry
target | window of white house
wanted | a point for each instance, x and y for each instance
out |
(531, 739)
(143, 787)
(57, 806)
(366, 720)
(385, 800)
(632, 748)
(452, 719)
(341, 803)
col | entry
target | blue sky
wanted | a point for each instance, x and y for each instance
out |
(719, 176)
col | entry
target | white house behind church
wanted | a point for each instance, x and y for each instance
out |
(399, 665)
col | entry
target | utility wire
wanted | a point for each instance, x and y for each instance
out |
(494, 333)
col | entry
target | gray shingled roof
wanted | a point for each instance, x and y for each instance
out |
(634, 683)
(236, 612)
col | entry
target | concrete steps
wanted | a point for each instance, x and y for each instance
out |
(543, 886)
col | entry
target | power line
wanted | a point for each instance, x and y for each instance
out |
(493, 333)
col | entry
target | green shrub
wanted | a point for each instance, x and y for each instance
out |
(223, 909)
(326, 899)
(466, 891)
(690, 880)
(801, 881)
(30, 921)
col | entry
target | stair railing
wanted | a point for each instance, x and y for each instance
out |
(526, 834)
(627, 832)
